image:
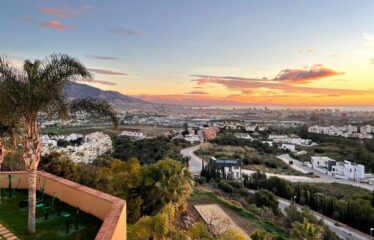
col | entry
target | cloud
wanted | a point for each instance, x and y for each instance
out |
(106, 71)
(284, 84)
(316, 72)
(102, 57)
(193, 100)
(103, 82)
(65, 11)
(368, 39)
(196, 92)
(127, 31)
(55, 25)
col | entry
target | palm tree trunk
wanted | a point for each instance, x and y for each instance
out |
(31, 155)
(2, 155)
(32, 202)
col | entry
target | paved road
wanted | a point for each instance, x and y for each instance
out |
(322, 177)
(195, 163)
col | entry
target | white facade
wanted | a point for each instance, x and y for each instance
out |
(291, 140)
(243, 136)
(342, 170)
(93, 145)
(139, 135)
(233, 172)
(230, 169)
(192, 138)
(321, 163)
(348, 131)
(289, 147)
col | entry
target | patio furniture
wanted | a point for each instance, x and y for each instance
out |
(48, 208)
(67, 216)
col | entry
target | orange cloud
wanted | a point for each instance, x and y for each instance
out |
(55, 25)
(316, 72)
(197, 93)
(249, 85)
(65, 11)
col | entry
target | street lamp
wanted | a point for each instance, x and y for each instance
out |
(371, 232)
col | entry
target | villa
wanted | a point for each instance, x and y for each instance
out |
(343, 170)
(229, 169)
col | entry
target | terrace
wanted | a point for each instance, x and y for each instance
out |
(100, 215)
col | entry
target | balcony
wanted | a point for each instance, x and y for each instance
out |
(109, 209)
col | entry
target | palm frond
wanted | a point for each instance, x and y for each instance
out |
(95, 106)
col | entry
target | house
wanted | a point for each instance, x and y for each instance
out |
(289, 147)
(210, 133)
(322, 163)
(343, 170)
(229, 169)
(192, 138)
(243, 136)
(349, 171)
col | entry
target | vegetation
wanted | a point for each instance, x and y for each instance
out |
(264, 198)
(149, 151)
(252, 158)
(348, 204)
(147, 189)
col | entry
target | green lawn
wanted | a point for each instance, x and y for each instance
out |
(15, 220)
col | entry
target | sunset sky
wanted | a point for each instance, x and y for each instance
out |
(206, 52)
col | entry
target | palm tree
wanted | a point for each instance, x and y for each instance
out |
(37, 91)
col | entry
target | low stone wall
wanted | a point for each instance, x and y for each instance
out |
(111, 210)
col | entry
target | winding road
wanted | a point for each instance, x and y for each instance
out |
(341, 230)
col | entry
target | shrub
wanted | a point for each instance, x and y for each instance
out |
(226, 187)
(264, 198)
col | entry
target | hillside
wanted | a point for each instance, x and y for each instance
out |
(79, 90)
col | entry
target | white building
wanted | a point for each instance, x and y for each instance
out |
(192, 138)
(93, 145)
(322, 163)
(229, 169)
(348, 131)
(295, 140)
(243, 136)
(138, 135)
(343, 170)
(289, 147)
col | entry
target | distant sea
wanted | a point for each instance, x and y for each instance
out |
(341, 108)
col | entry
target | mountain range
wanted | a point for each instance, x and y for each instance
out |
(80, 90)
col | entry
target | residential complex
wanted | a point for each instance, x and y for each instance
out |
(347, 131)
(78, 147)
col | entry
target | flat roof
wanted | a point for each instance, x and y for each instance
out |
(227, 162)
